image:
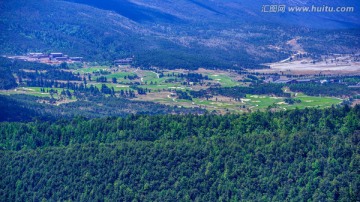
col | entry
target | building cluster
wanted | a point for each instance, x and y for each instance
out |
(51, 58)
(55, 57)
(125, 61)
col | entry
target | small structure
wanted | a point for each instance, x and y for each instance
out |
(324, 81)
(304, 80)
(285, 81)
(76, 59)
(52, 58)
(61, 58)
(126, 61)
(37, 55)
(56, 55)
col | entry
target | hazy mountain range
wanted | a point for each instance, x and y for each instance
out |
(169, 33)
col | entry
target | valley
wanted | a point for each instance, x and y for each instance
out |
(193, 89)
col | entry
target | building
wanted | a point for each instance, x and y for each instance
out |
(56, 55)
(304, 80)
(324, 81)
(37, 55)
(61, 58)
(126, 61)
(285, 81)
(76, 59)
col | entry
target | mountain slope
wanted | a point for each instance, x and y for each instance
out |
(129, 10)
(236, 11)
(170, 34)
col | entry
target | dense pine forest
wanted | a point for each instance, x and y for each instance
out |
(300, 155)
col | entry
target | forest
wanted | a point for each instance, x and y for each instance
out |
(7, 80)
(300, 155)
(10, 67)
(316, 89)
(26, 108)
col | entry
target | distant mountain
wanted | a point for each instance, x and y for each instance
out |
(250, 11)
(130, 10)
(173, 34)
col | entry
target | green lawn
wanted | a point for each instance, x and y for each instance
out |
(218, 104)
(165, 86)
(224, 80)
(160, 83)
(257, 102)
(309, 101)
(262, 102)
(117, 87)
(153, 77)
(35, 91)
(120, 76)
(91, 69)
(150, 77)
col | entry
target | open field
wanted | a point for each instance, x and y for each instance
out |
(251, 102)
(224, 80)
(330, 64)
(120, 75)
(315, 67)
(166, 86)
(150, 77)
(318, 67)
(117, 87)
(310, 101)
(91, 69)
(161, 89)
(35, 91)
(260, 102)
